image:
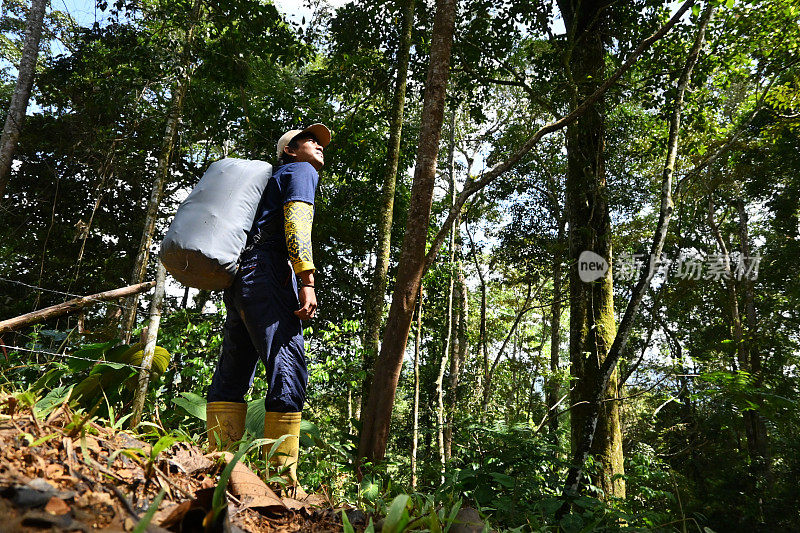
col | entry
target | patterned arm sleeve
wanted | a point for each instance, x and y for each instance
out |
(298, 217)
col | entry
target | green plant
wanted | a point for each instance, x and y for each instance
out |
(218, 501)
(141, 526)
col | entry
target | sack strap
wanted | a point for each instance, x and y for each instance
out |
(272, 228)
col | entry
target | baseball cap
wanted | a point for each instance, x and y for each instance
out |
(320, 131)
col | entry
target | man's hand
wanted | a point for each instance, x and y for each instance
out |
(308, 298)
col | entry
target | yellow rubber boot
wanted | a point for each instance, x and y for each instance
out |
(275, 426)
(225, 422)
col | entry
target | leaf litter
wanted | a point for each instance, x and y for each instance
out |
(67, 473)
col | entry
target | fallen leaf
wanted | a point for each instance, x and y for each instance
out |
(249, 487)
(295, 505)
(57, 506)
(53, 471)
(191, 461)
(41, 485)
(123, 440)
(190, 514)
(316, 500)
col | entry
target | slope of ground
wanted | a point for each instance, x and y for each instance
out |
(66, 473)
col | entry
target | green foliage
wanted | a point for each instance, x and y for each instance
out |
(84, 167)
(141, 526)
(219, 501)
(192, 403)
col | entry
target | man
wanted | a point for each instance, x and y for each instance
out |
(265, 309)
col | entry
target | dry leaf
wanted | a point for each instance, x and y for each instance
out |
(53, 471)
(57, 506)
(192, 461)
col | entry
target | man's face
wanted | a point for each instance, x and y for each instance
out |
(308, 150)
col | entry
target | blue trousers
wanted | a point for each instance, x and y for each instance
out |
(261, 324)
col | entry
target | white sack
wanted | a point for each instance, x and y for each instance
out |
(202, 246)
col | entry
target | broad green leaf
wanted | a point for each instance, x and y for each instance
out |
(53, 399)
(397, 517)
(504, 479)
(369, 489)
(571, 523)
(90, 351)
(347, 527)
(254, 421)
(44, 381)
(309, 434)
(193, 404)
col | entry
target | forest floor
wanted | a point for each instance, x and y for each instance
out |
(65, 473)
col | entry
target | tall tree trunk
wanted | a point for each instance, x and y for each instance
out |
(162, 170)
(740, 363)
(415, 406)
(592, 326)
(482, 348)
(460, 348)
(373, 311)
(553, 385)
(759, 452)
(22, 91)
(754, 428)
(376, 416)
(448, 328)
(487, 384)
(596, 409)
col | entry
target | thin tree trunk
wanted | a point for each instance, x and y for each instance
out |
(376, 417)
(149, 347)
(459, 352)
(415, 406)
(162, 170)
(22, 91)
(756, 444)
(760, 448)
(487, 385)
(608, 367)
(534, 373)
(740, 363)
(373, 311)
(553, 385)
(448, 328)
(482, 348)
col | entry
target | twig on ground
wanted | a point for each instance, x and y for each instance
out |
(125, 501)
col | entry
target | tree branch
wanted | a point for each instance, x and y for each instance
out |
(573, 481)
(472, 186)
